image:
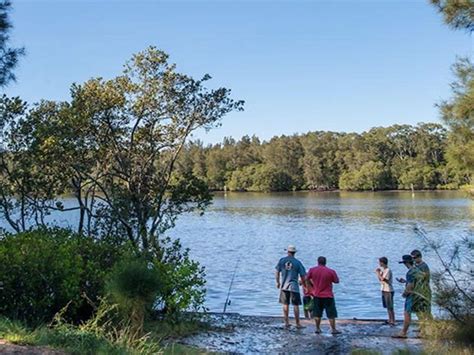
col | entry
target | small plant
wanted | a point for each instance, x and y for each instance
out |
(134, 285)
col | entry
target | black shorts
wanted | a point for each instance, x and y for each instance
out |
(387, 300)
(288, 297)
(321, 304)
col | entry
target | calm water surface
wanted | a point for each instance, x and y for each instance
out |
(351, 229)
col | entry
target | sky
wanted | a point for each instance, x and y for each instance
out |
(299, 65)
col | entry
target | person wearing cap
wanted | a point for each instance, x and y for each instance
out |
(422, 296)
(290, 269)
(321, 279)
(409, 282)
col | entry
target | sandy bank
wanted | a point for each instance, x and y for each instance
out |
(235, 333)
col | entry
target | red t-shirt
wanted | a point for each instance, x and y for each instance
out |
(322, 279)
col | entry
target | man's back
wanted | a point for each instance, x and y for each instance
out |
(290, 269)
(322, 279)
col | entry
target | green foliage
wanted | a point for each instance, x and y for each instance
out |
(8, 56)
(114, 145)
(87, 338)
(458, 114)
(134, 285)
(261, 178)
(458, 14)
(184, 280)
(417, 176)
(370, 176)
(383, 158)
(454, 294)
(44, 270)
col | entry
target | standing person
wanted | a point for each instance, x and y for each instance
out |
(290, 269)
(422, 296)
(409, 282)
(384, 274)
(321, 279)
(308, 302)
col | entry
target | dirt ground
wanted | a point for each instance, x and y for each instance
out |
(234, 333)
(7, 348)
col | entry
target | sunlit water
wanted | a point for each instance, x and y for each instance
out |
(352, 230)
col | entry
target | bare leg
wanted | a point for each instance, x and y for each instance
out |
(296, 310)
(317, 321)
(286, 309)
(391, 316)
(332, 323)
(406, 323)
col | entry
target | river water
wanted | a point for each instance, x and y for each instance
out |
(248, 232)
(251, 231)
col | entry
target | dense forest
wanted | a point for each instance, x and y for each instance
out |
(395, 157)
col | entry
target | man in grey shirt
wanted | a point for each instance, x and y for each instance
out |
(290, 269)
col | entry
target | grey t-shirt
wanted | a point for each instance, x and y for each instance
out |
(290, 268)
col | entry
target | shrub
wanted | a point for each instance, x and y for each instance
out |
(44, 270)
(183, 279)
(134, 285)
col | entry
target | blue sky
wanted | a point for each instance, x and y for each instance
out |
(299, 65)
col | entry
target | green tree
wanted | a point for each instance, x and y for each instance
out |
(116, 144)
(458, 114)
(283, 155)
(370, 177)
(8, 56)
(458, 14)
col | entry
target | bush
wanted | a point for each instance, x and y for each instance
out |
(134, 285)
(44, 270)
(183, 279)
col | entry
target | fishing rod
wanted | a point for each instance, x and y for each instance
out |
(227, 300)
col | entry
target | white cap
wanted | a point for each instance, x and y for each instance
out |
(291, 248)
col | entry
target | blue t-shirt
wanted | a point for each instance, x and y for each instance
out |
(290, 268)
(411, 278)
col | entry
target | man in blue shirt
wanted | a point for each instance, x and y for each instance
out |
(290, 269)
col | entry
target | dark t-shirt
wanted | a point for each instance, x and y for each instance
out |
(422, 284)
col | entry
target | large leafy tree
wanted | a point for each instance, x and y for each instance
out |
(8, 56)
(115, 145)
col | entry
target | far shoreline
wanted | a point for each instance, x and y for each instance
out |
(336, 190)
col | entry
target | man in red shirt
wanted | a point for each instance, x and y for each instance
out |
(321, 279)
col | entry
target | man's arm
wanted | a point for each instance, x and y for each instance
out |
(277, 278)
(336, 278)
(408, 288)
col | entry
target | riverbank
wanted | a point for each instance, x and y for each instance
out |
(235, 333)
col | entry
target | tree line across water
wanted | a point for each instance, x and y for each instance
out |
(394, 157)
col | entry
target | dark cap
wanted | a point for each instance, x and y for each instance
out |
(406, 259)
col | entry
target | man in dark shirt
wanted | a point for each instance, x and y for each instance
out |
(290, 269)
(422, 292)
(410, 283)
